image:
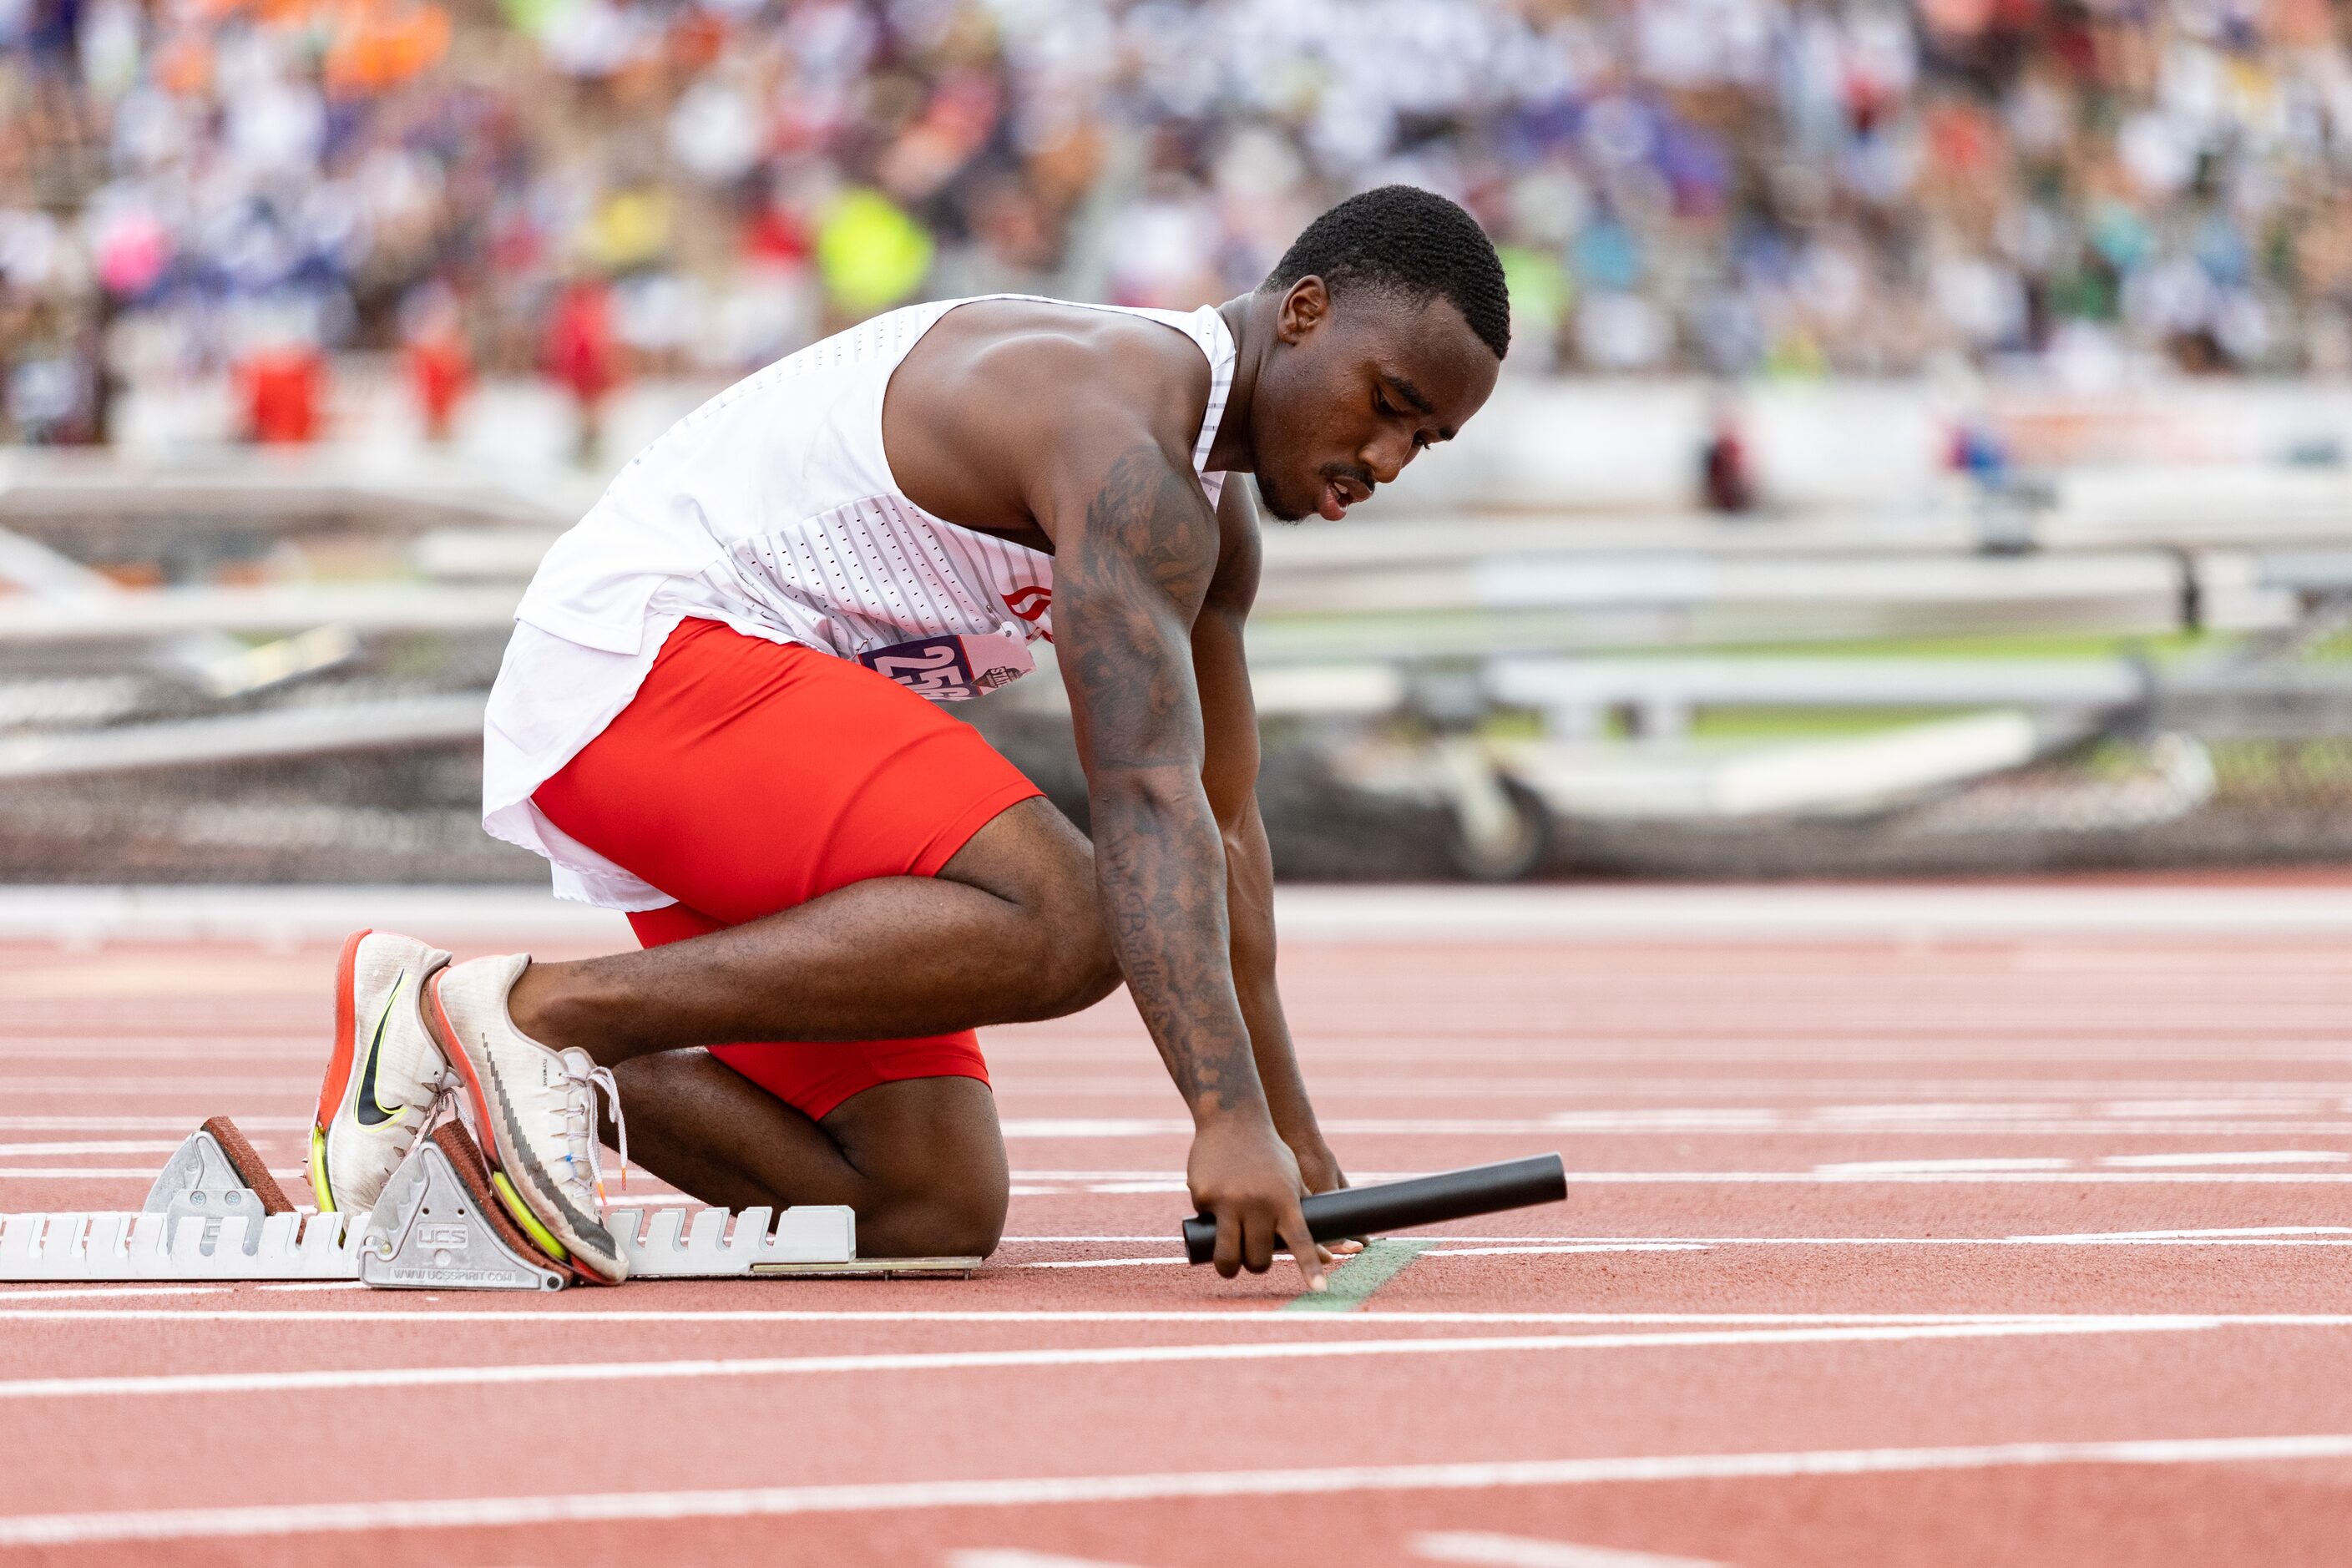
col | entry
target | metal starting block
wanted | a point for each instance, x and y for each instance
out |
(435, 1230)
(216, 1213)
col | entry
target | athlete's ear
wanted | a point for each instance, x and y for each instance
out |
(1305, 307)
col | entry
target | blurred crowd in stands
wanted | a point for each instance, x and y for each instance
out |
(590, 189)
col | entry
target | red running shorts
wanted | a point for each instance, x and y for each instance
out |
(749, 777)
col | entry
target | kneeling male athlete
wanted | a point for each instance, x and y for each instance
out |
(710, 716)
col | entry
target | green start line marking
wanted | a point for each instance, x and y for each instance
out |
(1355, 1278)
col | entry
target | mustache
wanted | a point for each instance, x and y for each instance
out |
(1355, 471)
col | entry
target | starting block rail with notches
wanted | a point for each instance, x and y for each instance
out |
(216, 1213)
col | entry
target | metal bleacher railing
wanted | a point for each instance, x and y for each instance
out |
(1397, 642)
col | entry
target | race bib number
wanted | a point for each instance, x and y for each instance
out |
(952, 668)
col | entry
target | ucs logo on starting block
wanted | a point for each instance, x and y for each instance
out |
(952, 668)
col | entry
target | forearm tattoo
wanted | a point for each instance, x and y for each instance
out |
(1128, 592)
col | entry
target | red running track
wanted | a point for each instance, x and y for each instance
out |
(2009, 1251)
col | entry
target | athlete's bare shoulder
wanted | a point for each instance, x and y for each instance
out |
(992, 394)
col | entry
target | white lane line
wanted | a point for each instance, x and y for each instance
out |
(1491, 1551)
(1569, 1247)
(1996, 1178)
(2209, 1106)
(1030, 1491)
(1506, 1250)
(1857, 1168)
(142, 1124)
(78, 1173)
(2228, 1157)
(2135, 1050)
(2252, 1233)
(149, 1087)
(330, 1378)
(395, 1314)
(1784, 1094)
(1456, 1252)
(1827, 1122)
(2244, 1236)
(1865, 1168)
(1013, 1557)
(139, 1050)
(2217, 1236)
(1178, 1177)
(398, 1314)
(48, 1293)
(1834, 1177)
(102, 1146)
(108, 1040)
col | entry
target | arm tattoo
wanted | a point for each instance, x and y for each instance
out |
(1131, 590)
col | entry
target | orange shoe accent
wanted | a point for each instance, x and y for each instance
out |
(339, 1064)
(444, 1034)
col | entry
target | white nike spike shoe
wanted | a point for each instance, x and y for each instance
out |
(385, 1074)
(534, 1114)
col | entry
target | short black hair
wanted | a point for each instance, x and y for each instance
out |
(1407, 241)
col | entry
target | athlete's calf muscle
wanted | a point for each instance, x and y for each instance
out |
(920, 1160)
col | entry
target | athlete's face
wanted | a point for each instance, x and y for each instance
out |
(1353, 392)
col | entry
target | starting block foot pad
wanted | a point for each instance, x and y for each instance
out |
(215, 1176)
(439, 1226)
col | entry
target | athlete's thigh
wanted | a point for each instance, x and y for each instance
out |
(747, 777)
(1029, 853)
(815, 1077)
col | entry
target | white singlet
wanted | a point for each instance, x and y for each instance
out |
(771, 507)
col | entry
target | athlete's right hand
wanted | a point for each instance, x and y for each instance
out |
(1245, 1176)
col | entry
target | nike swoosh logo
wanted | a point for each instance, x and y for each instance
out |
(371, 1112)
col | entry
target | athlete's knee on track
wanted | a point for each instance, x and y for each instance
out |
(932, 1176)
(938, 1223)
(945, 1199)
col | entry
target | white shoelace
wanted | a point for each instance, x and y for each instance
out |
(393, 1152)
(579, 1102)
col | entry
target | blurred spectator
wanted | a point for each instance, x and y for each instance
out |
(1725, 480)
(440, 364)
(280, 389)
(2069, 187)
(580, 354)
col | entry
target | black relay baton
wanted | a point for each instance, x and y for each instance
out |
(1401, 1205)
